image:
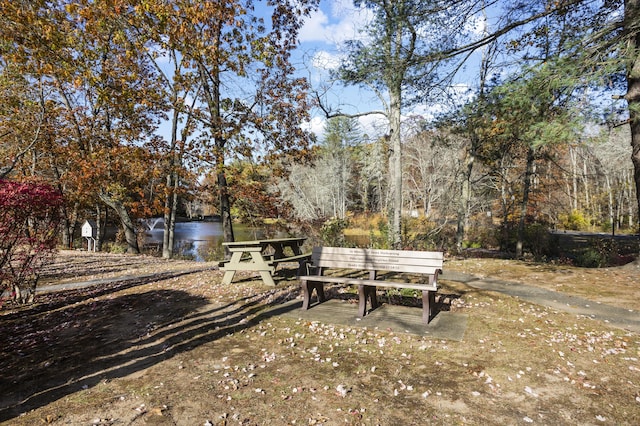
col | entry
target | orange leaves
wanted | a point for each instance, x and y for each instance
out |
(101, 65)
(72, 8)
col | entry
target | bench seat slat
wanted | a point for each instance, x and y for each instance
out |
(376, 283)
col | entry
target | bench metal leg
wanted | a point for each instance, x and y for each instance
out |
(362, 301)
(373, 297)
(428, 302)
(366, 292)
(320, 292)
(307, 292)
(302, 268)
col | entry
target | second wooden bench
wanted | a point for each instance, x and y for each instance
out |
(423, 263)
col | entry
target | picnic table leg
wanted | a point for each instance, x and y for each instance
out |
(265, 274)
(278, 251)
(295, 248)
(267, 278)
(228, 277)
(229, 271)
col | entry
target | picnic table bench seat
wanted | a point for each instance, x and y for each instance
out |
(427, 265)
(298, 258)
(271, 260)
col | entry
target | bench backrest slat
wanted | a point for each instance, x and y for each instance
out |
(423, 262)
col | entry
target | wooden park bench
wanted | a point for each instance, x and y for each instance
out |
(427, 265)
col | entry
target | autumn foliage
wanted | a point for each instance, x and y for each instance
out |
(29, 219)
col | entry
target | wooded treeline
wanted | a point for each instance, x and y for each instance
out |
(586, 186)
(146, 109)
(86, 86)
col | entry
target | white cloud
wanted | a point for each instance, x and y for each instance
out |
(334, 23)
(314, 27)
(374, 125)
(340, 7)
(326, 60)
(316, 125)
(477, 26)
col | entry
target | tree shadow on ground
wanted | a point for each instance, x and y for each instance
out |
(86, 267)
(57, 299)
(48, 354)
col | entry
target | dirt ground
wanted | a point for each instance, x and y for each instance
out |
(176, 347)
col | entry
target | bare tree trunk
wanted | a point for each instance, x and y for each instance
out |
(172, 187)
(170, 206)
(127, 224)
(101, 227)
(629, 198)
(69, 219)
(167, 250)
(174, 213)
(632, 8)
(225, 207)
(69, 226)
(585, 184)
(525, 200)
(465, 194)
(211, 86)
(612, 218)
(574, 176)
(395, 169)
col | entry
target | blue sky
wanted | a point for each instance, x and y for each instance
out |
(319, 51)
(320, 38)
(335, 22)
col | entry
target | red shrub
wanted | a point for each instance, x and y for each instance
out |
(29, 219)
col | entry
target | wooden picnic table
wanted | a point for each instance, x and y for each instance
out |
(263, 256)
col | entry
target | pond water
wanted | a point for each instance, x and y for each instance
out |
(199, 240)
(202, 241)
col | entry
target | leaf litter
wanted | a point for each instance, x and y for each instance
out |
(184, 349)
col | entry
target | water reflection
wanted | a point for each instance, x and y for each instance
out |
(200, 240)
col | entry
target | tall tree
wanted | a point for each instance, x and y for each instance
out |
(22, 118)
(179, 84)
(530, 113)
(601, 49)
(631, 54)
(395, 59)
(86, 56)
(248, 100)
